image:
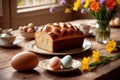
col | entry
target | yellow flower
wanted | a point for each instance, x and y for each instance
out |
(95, 56)
(87, 3)
(76, 5)
(67, 10)
(85, 64)
(118, 1)
(111, 45)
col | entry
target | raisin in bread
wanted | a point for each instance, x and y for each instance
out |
(55, 37)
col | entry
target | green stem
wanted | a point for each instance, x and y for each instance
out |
(104, 60)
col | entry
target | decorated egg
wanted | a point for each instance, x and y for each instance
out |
(24, 61)
(67, 61)
(55, 63)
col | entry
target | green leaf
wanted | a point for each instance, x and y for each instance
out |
(118, 45)
(104, 59)
(94, 64)
(102, 12)
(93, 14)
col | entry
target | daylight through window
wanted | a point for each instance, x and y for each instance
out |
(29, 3)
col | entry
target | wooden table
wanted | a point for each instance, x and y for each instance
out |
(109, 71)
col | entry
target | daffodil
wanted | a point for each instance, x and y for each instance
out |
(87, 3)
(76, 5)
(95, 56)
(85, 64)
(111, 45)
(67, 10)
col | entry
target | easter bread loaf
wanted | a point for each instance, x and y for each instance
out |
(55, 37)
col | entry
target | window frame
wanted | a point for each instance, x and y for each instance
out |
(5, 18)
(12, 19)
(30, 6)
(37, 7)
(23, 18)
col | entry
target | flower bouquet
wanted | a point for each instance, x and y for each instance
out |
(102, 10)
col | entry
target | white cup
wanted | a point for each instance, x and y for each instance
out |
(85, 28)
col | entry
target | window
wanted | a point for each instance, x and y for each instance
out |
(29, 3)
(32, 5)
(17, 13)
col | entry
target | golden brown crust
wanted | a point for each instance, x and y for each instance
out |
(53, 35)
(58, 30)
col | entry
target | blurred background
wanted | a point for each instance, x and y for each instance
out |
(15, 13)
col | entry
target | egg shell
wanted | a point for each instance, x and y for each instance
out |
(30, 30)
(55, 63)
(117, 21)
(20, 28)
(67, 61)
(25, 28)
(24, 61)
(111, 23)
(30, 25)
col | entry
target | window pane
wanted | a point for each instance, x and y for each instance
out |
(27, 3)
(20, 2)
(0, 7)
(30, 2)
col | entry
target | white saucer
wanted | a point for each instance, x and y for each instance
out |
(9, 45)
(45, 65)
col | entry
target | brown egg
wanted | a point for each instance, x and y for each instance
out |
(24, 61)
(117, 21)
(30, 30)
(111, 23)
(25, 28)
(55, 63)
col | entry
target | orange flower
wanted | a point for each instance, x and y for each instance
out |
(95, 6)
(110, 4)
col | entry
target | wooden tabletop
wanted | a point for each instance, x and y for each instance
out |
(109, 71)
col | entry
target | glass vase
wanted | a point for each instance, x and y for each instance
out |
(102, 32)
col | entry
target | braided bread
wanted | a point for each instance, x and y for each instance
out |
(60, 36)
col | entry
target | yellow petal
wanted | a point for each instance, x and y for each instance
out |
(67, 10)
(95, 56)
(111, 45)
(85, 64)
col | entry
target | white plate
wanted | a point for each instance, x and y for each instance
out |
(45, 65)
(32, 47)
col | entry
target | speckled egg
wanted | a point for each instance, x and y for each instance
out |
(55, 63)
(24, 61)
(67, 61)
